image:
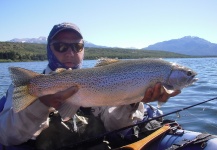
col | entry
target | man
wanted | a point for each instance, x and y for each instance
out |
(65, 49)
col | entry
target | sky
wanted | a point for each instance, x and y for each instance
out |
(114, 23)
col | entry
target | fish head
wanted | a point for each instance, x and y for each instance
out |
(181, 77)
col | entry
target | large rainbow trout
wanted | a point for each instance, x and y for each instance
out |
(119, 82)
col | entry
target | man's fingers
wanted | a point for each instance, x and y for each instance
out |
(56, 100)
(165, 96)
(157, 91)
(148, 95)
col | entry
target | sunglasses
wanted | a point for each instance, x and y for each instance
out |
(62, 47)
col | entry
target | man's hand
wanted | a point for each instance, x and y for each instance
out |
(56, 100)
(156, 94)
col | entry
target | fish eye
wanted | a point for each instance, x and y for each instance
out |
(189, 73)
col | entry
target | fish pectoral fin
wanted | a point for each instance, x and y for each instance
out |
(168, 89)
(67, 110)
(159, 104)
(21, 98)
(106, 61)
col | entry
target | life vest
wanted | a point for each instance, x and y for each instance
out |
(82, 126)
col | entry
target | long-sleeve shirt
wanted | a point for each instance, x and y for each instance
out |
(17, 128)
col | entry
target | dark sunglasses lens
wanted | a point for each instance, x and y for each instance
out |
(63, 47)
(78, 47)
(60, 47)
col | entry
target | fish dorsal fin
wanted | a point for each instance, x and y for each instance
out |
(59, 70)
(106, 61)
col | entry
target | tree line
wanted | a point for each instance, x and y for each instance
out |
(22, 51)
(16, 56)
(37, 52)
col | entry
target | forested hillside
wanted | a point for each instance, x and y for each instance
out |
(22, 51)
(10, 51)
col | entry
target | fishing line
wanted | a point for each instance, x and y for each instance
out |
(203, 121)
(103, 136)
(194, 118)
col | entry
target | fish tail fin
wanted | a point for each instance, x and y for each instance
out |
(21, 98)
(20, 79)
(21, 76)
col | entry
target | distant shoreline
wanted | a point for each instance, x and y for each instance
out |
(8, 61)
(25, 52)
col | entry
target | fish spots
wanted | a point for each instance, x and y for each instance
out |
(121, 83)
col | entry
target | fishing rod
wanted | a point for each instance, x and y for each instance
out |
(102, 136)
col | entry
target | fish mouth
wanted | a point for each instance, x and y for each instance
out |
(193, 79)
(190, 81)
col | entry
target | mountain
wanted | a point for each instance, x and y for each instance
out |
(188, 45)
(43, 40)
(40, 40)
(89, 44)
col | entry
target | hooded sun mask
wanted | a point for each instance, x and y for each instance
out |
(54, 63)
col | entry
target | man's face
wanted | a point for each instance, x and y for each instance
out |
(70, 58)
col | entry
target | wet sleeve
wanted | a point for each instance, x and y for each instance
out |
(120, 116)
(17, 128)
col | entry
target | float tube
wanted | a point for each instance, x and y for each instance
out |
(170, 137)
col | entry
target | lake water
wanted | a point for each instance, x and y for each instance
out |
(202, 118)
